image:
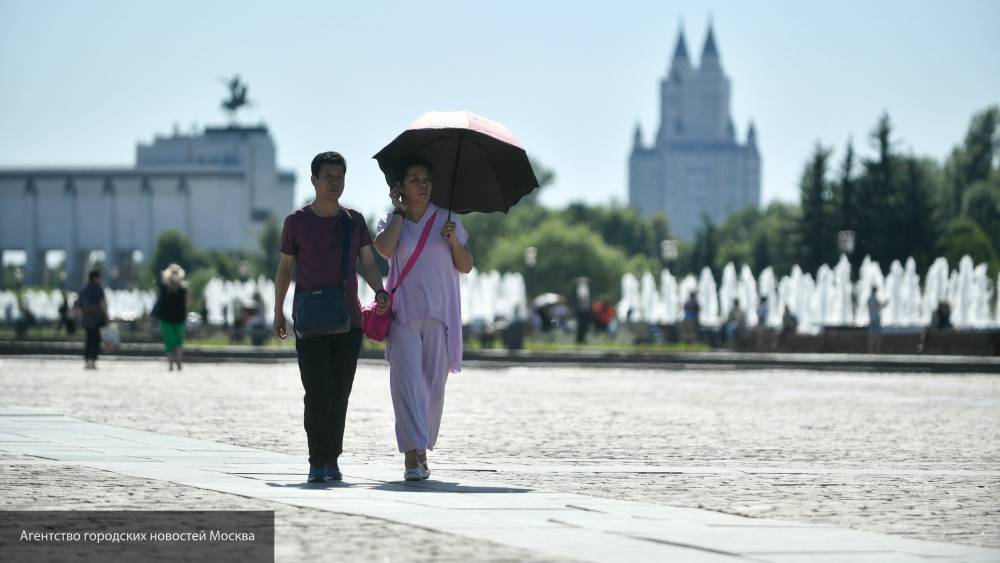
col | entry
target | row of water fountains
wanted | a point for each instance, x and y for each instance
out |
(829, 299)
(44, 304)
(485, 296)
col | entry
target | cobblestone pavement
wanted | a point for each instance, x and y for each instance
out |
(301, 534)
(913, 455)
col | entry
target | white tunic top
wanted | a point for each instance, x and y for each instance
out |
(431, 290)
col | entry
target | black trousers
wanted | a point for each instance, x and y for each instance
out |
(327, 365)
(93, 344)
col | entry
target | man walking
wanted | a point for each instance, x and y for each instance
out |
(313, 241)
(875, 306)
(92, 309)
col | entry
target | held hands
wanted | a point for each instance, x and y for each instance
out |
(448, 232)
(279, 325)
(382, 302)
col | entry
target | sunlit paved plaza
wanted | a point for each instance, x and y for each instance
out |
(910, 456)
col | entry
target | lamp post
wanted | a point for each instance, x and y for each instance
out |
(530, 261)
(845, 242)
(668, 252)
(530, 256)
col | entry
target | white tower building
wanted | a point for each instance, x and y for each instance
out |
(695, 166)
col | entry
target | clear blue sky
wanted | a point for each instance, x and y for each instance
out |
(82, 82)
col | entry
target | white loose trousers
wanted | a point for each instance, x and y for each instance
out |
(418, 370)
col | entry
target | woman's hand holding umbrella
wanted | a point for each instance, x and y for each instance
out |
(448, 232)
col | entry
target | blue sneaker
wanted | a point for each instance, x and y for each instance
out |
(331, 472)
(316, 473)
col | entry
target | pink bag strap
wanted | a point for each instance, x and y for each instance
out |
(416, 252)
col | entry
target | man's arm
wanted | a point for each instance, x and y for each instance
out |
(369, 270)
(282, 279)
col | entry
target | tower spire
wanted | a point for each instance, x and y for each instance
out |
(710, 52)
(680, 50)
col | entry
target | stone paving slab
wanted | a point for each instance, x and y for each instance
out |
(553, 524)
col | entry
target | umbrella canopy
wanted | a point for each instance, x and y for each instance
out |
(478, 164)
(546, 299)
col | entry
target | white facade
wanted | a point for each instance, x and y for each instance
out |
(695, 165)
(218, 188)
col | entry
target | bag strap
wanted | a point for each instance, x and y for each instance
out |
(347, 248)
(416, 251)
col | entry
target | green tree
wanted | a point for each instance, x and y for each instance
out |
(485, 229)
(174, 247)
(760, 253)
(545, 176)
(963, 236)
(845, 198)
(737, 240)
(196, 286)
(917, 232)
(981, 204)
(779, 227)
(621, 227)
(973, 161)
(233, 265)
(844, 194)
(564, 253)
(761, 238)
(705, 251)
(817, 229)
(270, 248)
(876, 226)
(896, 209)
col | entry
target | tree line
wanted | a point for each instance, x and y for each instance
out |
(897, 205)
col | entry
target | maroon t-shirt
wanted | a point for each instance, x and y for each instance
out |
(317, 245)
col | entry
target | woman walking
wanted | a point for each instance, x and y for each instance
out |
(172, 305)
(425, 341)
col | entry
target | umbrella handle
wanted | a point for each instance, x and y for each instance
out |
(454, 176)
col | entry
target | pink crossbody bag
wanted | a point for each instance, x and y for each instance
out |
(376, 327)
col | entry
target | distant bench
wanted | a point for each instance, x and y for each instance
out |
(844, 339)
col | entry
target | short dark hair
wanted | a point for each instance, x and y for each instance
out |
(328, 157)
(405, 163)
(93, 274)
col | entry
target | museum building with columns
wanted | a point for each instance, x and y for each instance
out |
(218, 187)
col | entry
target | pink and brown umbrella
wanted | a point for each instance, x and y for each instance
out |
(478, 164)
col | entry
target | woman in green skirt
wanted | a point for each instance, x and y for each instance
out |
(172, 311)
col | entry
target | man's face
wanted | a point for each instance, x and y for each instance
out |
(329, 183)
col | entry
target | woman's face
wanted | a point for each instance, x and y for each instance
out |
(417, 185)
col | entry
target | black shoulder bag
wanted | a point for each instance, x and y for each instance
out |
(324, 311)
